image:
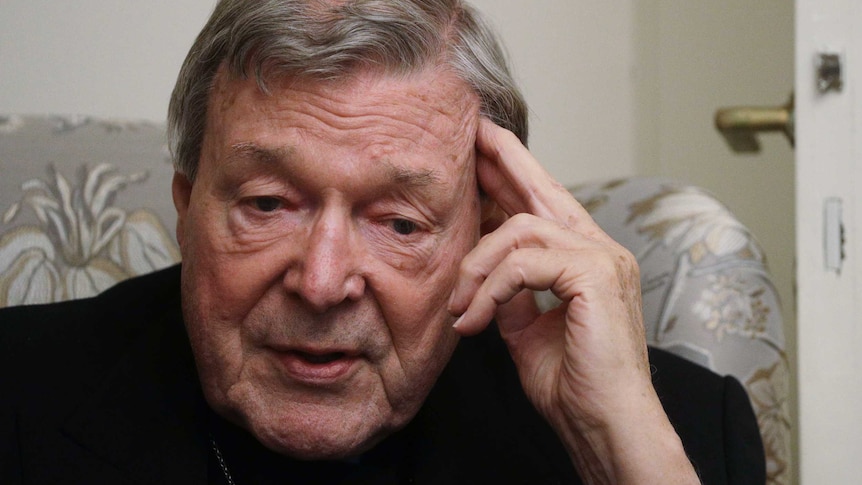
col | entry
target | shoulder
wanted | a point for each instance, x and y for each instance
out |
(93, 382)
(711, 413)
(57, 339)
(687, 388)
(714, 418)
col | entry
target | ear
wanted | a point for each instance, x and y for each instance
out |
(491, 215)
(181, 189)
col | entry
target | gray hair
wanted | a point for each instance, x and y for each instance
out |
(331, 40)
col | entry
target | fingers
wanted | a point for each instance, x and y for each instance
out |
(530, 253)
(516, 272)
(532, 250)
(519, 232)
(512, 177)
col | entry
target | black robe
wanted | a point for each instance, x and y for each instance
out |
(104, 390)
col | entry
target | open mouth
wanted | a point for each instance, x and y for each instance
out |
(320, 358)
(318, 367)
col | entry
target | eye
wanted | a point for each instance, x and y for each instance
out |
(403, 226)
(266, 204)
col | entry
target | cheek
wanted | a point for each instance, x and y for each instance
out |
(225, 279)
(426, 291)
(414, 305)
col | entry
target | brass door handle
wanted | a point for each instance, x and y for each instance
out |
(739, 125)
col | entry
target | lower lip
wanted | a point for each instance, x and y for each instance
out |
(313, 373)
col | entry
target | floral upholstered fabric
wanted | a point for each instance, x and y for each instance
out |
(86, 203)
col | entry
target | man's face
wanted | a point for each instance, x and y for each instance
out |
(320, 242)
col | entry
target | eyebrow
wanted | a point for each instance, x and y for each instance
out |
(267, 156)
(402, 177)
(409, 178)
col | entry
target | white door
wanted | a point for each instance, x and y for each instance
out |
(829, 177)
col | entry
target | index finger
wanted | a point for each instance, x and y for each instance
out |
(513, 178)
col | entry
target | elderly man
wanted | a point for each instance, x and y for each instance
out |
(353, 197)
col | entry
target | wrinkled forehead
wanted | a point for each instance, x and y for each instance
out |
(432, 107)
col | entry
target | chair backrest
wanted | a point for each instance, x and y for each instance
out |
(86, 203)
(708, 295)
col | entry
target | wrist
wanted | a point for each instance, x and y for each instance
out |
(630, 443)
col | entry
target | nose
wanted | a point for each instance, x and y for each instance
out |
(327, 272)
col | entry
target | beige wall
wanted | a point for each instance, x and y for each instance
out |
(102, 57)
(704, 56)
(119, 58)
(576, 62)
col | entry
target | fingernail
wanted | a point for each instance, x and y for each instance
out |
(458, 322)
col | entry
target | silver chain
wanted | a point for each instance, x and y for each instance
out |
(221, 462)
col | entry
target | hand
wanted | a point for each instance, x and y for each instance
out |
(583, 364)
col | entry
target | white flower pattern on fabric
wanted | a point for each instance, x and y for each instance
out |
(693, 222)
(731, 305)
(83, 244)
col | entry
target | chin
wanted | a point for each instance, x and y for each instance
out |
(317, 431)
(335, 440)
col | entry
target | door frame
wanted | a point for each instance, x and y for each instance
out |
(828, 168)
